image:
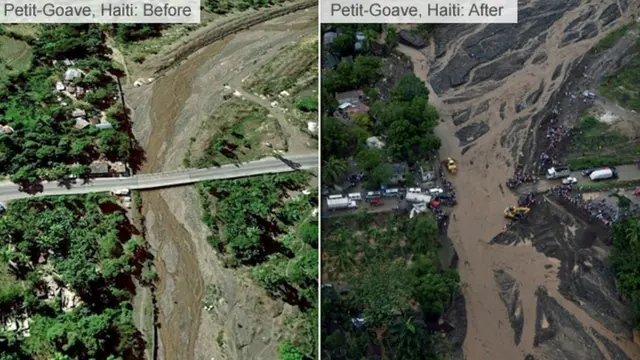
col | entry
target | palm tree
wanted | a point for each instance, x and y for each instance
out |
(633, 233)
(408, 338)
(333, 170)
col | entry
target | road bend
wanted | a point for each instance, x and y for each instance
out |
(270, 165)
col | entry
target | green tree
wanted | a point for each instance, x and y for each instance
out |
(290, 352)
(431, 287)
(367, 70)
(380, 175)
(408, 338)
(344, 44)
(26, 174)
(80, 170)
(219, 6)
(333, 170)
(391, 38)
(410, 87)
(369, 159)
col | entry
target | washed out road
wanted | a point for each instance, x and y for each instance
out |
(270, 165)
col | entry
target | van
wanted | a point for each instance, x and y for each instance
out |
(355, 196)
(414, 190)
(603, 174)
(435, 191)
(338, 196)
(374, 194)
(392, 192)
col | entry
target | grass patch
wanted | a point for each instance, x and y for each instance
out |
(606, 185)
(597, 144)
(307, 104)
(294, 69)
(237, 131)
(623, 87)
(15, 55)
(138, 51)
(611, 38)
(20, 31)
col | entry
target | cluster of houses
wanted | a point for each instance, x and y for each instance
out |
(351, 103)
(68, 88)
(332, 60)
(102, 168)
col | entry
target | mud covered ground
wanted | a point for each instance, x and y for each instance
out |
(241, 321)
(540, 290)
(585, 281)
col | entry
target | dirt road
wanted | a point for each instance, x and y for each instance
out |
(244, 323)
(489, 81)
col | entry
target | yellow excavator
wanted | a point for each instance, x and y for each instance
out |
(516, 212)
(451, 165)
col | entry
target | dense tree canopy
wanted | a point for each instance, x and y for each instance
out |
(625, 259)
(408, 121)
(379, 268)
(86, 244)
(364, 71)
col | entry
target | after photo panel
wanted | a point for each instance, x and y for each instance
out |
(387, 284)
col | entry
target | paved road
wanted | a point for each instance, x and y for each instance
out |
(270, 165)
(625, 173)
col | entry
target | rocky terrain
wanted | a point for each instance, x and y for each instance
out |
(540, 289)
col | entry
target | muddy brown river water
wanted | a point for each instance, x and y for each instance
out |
(502, 76)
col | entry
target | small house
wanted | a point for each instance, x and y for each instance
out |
(328, 37)
(78, 113)
(99, 169)
(354, 97)
(6, 129)
(104, 125)
(71, 74)
(374, 143)
(356, 109)
(360, 41)
(119, 168)
(81, 123)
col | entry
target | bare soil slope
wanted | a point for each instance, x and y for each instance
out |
(494, 85)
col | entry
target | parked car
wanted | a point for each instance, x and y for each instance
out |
(374, 194)
(377, 202)
(569, 181)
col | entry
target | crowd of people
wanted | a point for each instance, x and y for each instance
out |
(520, 177)
(554, 136)
(600, 210)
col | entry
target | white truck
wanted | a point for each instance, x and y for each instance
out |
(558, 173)
(418, 198)
(336, 203)
(121, 192)
(603, 174)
